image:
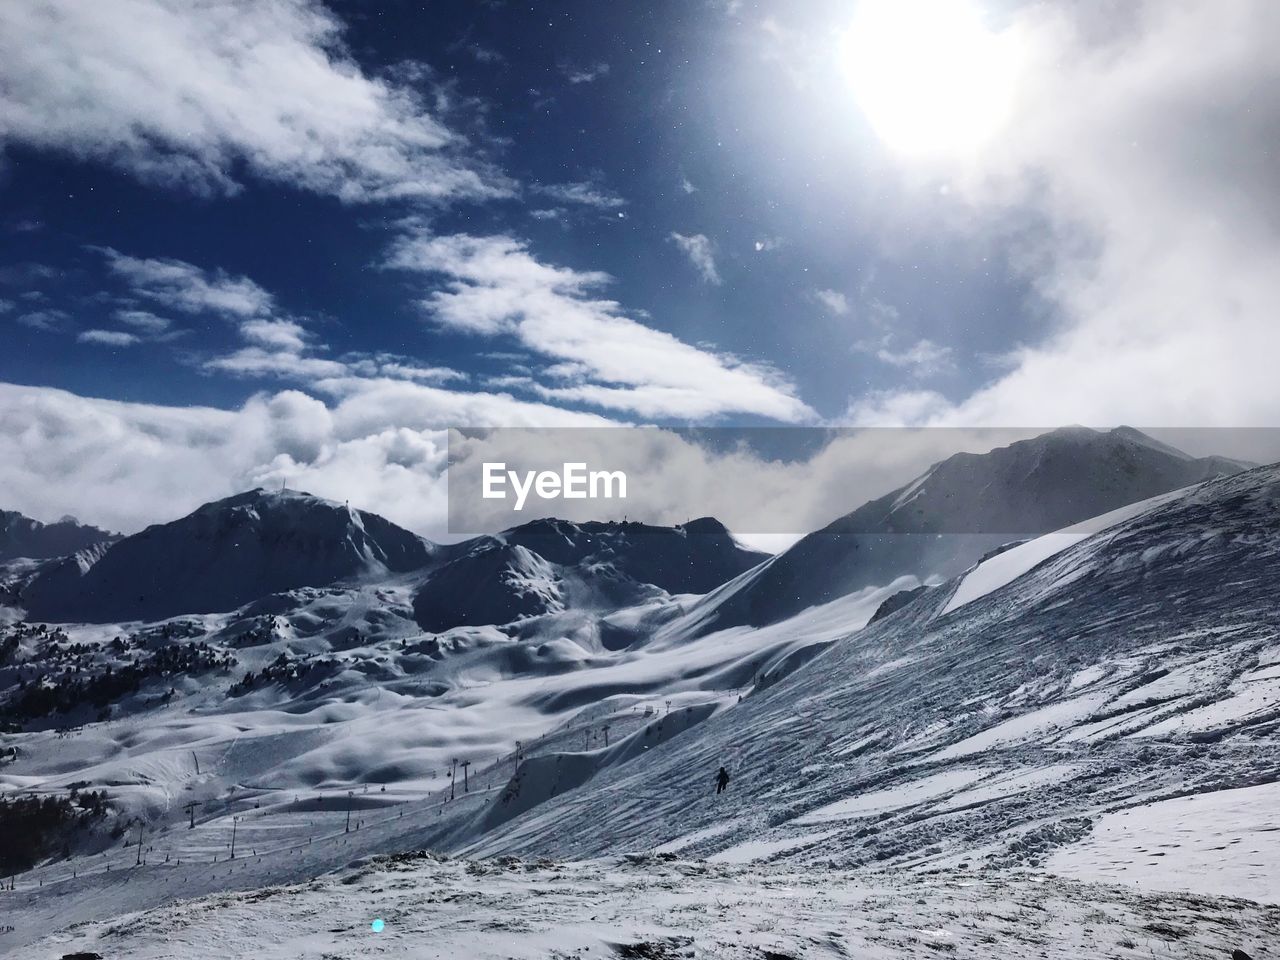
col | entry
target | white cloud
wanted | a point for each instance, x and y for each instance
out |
(687, 185)
(381, 444)
(108, 338)
(701, 253)
(367, 405)
(285, 349)
(494, 286)
(276, 348)
(509, 382)
(482, 54)
(288, 364)
(583, 192)
(190, 92)
(26, 274)
(835, 301)
(892, 408)
(143, 320)
(1145, 143)
(589, 74)
(46, 320)
(389, 365)
(378, 443)
(186, 288)
(277, 334)
(922, 359)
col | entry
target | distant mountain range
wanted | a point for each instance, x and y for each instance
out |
(961, 509)
(23, 537)
(224, 555)
(246, 547)
(233, 551)
(548, 565)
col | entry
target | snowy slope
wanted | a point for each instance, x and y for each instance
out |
(1137, 666)
(1006, 566)
(976, 502)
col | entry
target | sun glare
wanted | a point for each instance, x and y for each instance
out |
(930, 76)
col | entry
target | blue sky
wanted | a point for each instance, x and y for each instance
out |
(611, 132)
(305, 238)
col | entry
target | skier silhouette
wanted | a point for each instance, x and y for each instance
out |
(722, 780)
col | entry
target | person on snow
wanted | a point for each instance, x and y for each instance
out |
(722, 780)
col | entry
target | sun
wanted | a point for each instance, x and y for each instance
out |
(930, 76)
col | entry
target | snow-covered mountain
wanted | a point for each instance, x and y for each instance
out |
(223, 555)
(248, 547)
(23, 537)
(959, 510)
(1103, 704)
(253, 545)
(548, 566)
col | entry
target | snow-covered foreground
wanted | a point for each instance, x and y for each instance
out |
(659, 907)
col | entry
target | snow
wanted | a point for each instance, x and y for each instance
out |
(1224, 841)
(513, 910)
(1008, 784)
(893, 798)
(755, 850)
(1036, 722)
(1004, 568)
(1087, 677)
(1258, 700)
(226, 554)
(680, 843)
(1029, 725)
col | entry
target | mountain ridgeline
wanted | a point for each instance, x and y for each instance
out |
(253, 545)
(23, 537)
(960, 510)
(241, 549)
(223, 555)
(548, 565)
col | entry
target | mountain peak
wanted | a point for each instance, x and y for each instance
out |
(1072, 431)
(227, 553)
(268, 496)
(705, 526)
(21, 536)
(964, 506)
(540, 566)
